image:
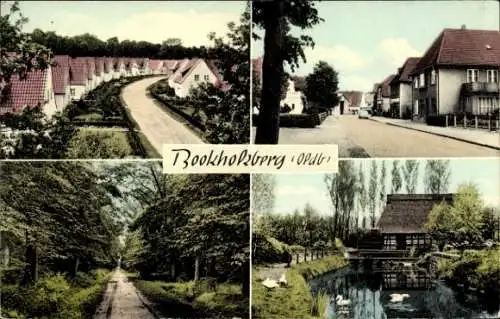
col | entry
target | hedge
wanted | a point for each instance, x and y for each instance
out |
(296, 120)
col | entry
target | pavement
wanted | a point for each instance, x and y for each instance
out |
(123, 301)
(475, 136)
(370, 138)
(158, 126)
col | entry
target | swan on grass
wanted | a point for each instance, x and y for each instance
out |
(270, 284)
(341, 301)
(399, 297)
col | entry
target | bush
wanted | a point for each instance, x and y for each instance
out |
(437, 120)
(299, 120)
(99, 144)
(269, 250)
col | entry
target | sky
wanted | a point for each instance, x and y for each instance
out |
(152, 21)
(367, 41)
(293, 191)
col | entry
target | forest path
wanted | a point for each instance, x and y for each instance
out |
(122, 300)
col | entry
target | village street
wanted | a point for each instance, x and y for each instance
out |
(368, 138)
(121, 300)
(158, 126)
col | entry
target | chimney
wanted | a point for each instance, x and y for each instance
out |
(463, 27)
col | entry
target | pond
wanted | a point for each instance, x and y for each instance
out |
(397, 294)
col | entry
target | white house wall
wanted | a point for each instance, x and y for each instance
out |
(79, 91)
(201, 69)
(49, 107)
(405, 102)
(293, 98)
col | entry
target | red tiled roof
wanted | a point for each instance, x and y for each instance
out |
(78, 71)
(354, 97)
(462, 47)
(60, 73)
(385, 85)
(405, 71)
(184, 69)
(108, 64)
(28, 92)
(90, 67)
(215, 70)
(155, 64)
(172, 64)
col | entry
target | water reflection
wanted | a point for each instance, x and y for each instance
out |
(397, 294)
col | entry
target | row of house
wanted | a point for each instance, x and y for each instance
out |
(459, 73)
(68, 79)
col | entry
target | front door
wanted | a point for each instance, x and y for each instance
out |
(341, 107)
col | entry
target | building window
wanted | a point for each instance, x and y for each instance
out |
(72, 92)
(472, 75)
(415, 82)
(415, 111)
(196, 77)
(433, 106)
(206, 77)
(433, 77)
(422, 80)
(492, 76)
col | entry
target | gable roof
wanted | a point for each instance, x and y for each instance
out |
(185, 69)
(404, 71)
(257, 65)
(408, 213)
(354, 97)
(78, 71)
(155, 64)
(462, 47)
(28, 92)
(385, 85)
(60, 74)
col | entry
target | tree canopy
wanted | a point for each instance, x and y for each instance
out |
(322, 86)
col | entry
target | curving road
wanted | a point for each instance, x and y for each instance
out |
(365, 138)
(158, 126)
(122, 301)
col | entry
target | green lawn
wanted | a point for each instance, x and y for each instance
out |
(295, 300)
(180, 299)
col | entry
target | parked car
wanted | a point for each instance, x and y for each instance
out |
(363, 114)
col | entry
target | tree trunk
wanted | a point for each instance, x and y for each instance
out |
(197, 268)
(31, 268)
(77, 263)
(245, 290)
(6, 256)
(272, 71)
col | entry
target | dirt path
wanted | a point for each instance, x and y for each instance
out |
(155, 123)
(122, 301)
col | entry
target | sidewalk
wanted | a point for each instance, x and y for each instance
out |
(473, 136)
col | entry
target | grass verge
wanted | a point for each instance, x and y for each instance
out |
(295, 300)
(55, 297)
(180, 299)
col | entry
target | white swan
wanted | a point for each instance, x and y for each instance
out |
(341, 301)
(270, 284)
(282, 280)
(399, 297)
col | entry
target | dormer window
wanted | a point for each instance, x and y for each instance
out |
(472, 75)
(433, 77)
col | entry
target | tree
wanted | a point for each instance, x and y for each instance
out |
(396, 177)
(372, 192)
(172, 42)
(383, 177)
(263, 194)
(276, 18)
(35, 135)
(362, 192)
(226, 106)
(342, 189)
(462, 221)
(19, 55)
(437, 176)
(322, 86)
(410, 176)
